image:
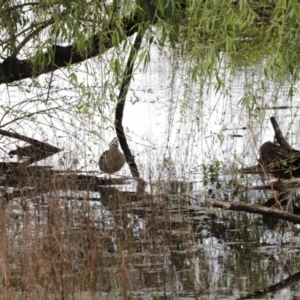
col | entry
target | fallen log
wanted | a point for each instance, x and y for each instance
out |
(36, 151)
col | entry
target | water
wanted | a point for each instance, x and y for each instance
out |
(171, 245)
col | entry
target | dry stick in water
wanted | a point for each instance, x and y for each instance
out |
(257, 209)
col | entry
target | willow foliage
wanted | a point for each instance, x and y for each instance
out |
(247, 32)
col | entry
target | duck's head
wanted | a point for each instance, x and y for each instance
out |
(114, 142)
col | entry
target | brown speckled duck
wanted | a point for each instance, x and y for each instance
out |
(281, 162)
(112, 160)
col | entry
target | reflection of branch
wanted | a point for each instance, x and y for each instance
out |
(47, 178)
(257, 209)
(275, 287)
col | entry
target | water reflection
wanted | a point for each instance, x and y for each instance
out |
(161, 246)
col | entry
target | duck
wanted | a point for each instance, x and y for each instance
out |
(281, 162)
(112, 160)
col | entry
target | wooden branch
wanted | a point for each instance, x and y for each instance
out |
(38, 150)
(12, 69)
(278, 134)
(282, 185)
(257, 169)
(256, 209)
(127, 76)
(34, 142)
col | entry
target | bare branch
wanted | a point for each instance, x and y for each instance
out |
(13, 69)
(127, 76)
(278, 134)
(256, 209)
(40, 150)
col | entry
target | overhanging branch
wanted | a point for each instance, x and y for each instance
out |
(12, 69)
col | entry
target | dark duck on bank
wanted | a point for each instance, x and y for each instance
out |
(281, 162)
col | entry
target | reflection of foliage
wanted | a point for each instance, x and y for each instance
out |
(211, 174)
(180, 186)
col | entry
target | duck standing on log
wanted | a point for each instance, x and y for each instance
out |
(112, 160)
(281, 162)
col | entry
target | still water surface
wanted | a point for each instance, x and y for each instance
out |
(179, 248)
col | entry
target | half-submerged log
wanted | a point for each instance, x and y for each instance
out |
(36, 151)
